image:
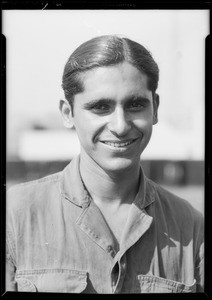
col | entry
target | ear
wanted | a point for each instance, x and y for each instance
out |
(67, 113)
(156, 101)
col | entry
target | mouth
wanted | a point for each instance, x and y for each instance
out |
(120, 144)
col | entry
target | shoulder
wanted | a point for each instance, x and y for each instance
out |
(22, 195)
(175, 206)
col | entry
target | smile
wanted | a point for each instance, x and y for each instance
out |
(119, 144)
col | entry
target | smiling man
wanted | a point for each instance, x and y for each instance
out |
(100, 225)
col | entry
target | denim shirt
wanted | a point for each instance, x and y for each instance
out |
(58, 240)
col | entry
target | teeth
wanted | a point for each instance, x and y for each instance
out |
(119, 144)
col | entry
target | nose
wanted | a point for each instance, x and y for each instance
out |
(119, 123)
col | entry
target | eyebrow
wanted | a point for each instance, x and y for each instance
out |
(92, 103)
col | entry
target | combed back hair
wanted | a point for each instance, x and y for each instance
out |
(102, 51)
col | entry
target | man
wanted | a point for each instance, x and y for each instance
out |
(100, 225)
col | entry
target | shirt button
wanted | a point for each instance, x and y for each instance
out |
(113, 254)
(113, 283)
(85, 204)
(109, 248)
(111, 251)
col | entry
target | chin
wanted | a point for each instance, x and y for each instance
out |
(120, 165)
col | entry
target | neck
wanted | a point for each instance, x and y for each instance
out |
(107, 187)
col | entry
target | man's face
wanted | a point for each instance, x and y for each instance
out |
(113, 116)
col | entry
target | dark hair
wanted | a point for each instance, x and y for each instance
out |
(102, 51)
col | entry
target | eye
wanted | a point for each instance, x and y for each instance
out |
(136, 105)
(101, 108)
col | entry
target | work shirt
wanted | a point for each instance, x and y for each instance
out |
(58, 240)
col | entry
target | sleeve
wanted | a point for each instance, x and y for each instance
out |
(10, 265)
(10, 271)
(199, 274)
(199, 259)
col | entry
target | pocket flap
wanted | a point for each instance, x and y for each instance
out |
(59, 281)
(153, 284)
(25, 285)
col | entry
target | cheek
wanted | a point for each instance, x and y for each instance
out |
(82, 129)
(143, 124)
(88, 127)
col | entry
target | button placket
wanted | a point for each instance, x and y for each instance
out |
(121, 274)
(114, 275)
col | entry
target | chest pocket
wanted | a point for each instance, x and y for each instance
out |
(58, 281)
(152, 284)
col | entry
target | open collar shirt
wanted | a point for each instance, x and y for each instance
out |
(58, 240)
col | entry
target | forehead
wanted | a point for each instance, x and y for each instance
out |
(115, 81)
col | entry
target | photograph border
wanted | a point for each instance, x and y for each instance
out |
(113, 5)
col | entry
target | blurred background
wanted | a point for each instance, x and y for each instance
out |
(38, 46)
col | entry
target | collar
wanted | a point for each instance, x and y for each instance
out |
(71, 184)
(73, 189)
